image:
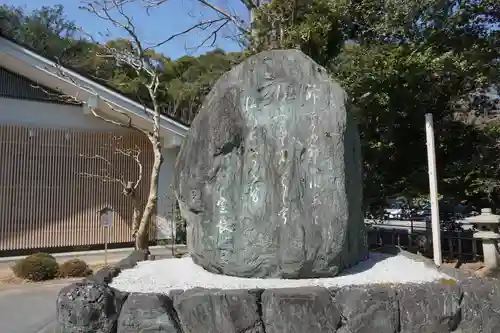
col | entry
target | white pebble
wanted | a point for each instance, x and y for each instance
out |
(161, 276)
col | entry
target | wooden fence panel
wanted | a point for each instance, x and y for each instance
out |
(44, 199)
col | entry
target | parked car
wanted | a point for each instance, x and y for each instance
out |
(394, 211)
(399, 210)
(447, 211)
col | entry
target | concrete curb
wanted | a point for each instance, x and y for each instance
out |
(94, 252)
(13, 288)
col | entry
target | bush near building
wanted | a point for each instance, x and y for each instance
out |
(36, 267)
(74, 268)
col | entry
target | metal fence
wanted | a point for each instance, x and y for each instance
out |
(415, 237)
(455, 245)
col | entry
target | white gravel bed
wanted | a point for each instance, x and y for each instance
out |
(161, 276)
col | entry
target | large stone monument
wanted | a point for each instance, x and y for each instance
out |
(269, 177)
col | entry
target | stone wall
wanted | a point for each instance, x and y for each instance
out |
(469, 305)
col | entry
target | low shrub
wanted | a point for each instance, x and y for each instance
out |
(36, 267)
(74, 268)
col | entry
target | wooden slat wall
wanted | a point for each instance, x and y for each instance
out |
(44, 199)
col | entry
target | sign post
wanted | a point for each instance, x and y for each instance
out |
(431, 158)
(106, 219)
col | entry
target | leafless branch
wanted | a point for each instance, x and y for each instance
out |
(106, 174)
(101, 176)
(134, 153)
(139, 61)
(203, 25)
(59, 96)
(97, 157)
(102, 9)
(62, 73)
(238, 22)
(213, 37)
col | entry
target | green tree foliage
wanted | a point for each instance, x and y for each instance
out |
(46, 31)
(189, 79)
(184, 82)
(399, 59)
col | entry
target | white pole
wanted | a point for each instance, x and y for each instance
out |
(106, 239)
(431, 157)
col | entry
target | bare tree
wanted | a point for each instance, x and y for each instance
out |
(113, 11)
(141, 217)
(137, 58)
(141, 63)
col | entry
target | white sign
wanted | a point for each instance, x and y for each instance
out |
(107, 219)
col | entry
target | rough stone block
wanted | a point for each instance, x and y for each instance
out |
(368, 309)
(298, 310)
(105, 275)
(480, 306)
(132, 259)
(269, 177)
(108, 273)
(429, 307)
(89, 307)
(147, 313)
(218, 311)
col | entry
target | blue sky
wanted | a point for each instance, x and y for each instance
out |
(170, 18)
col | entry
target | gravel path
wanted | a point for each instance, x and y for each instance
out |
(161, 276)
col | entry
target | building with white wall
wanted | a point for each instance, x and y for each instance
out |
(45, 145)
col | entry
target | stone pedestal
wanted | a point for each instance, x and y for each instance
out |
(487, 230)
(490, 245)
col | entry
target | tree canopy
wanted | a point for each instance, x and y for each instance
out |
(397, 60)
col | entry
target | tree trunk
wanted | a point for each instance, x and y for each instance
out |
(136, 215)
(142, 239)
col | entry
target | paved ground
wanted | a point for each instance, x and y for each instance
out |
(93, 257)
(29, 308)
